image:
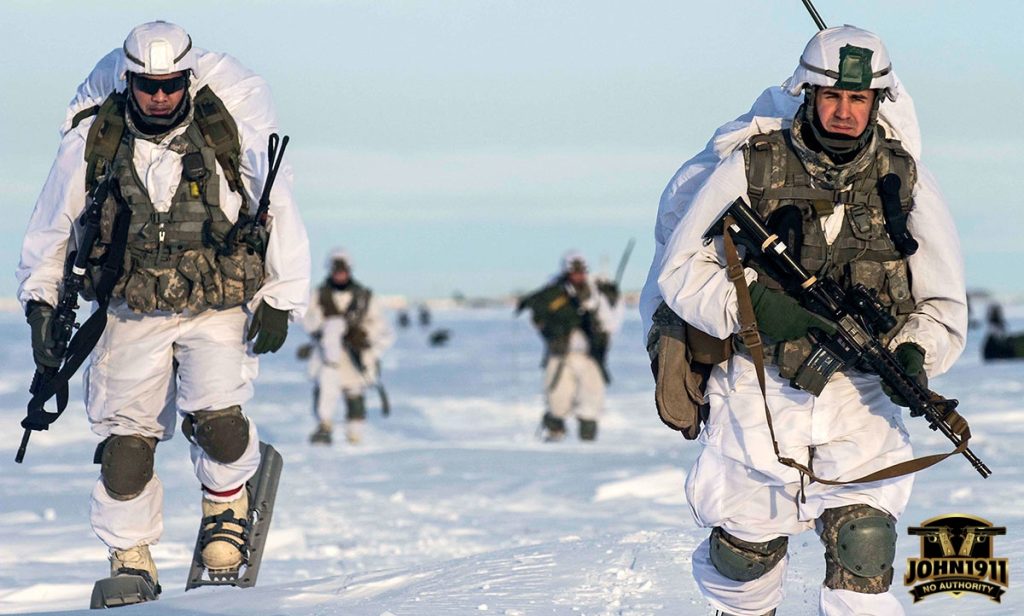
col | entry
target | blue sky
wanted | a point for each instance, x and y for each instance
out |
(465, 145)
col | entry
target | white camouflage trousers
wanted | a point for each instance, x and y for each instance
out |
(145, 370)
(335, 380)
(573, 385)
(738, 484)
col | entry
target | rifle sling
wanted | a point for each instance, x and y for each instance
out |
(85, 339)
(752, 339)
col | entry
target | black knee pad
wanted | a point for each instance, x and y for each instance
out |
(223, 434)
(355, 407)
(860, 546)
(126, 464)
(744, 561)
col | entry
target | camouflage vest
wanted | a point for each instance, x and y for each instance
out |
(357, 307)
(783, 193)
(184, 258)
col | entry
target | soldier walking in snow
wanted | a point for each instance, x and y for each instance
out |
(830, 160)
(178, 138)
(576, 316)
(350, 335)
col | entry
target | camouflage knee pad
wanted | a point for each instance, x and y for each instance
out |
(860, 546)
(223, 434)
(744, 561)
(126, 464)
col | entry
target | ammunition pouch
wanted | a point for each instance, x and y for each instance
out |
(193, 280)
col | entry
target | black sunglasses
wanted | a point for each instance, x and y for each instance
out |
(150, 86)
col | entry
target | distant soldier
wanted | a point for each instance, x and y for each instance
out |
(576, 316)
(999, 343)
(403, 318)
(350, 334)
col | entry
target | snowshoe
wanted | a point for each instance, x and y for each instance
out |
(554, 436)
(262, 491)
(133, 579)
(124, 589)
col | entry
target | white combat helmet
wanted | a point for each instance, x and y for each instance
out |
(573, 259)
(338, 254)
(159, 48)
(844, 57)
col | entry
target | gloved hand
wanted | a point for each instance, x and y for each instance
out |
(783, 318)
(269, 327)
(40, 319)
(304, 352)
(356, 338)
(911, 358)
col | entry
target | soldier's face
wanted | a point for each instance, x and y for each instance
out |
(340, 276)
(154, 100)
(577, 277)
(844, 112)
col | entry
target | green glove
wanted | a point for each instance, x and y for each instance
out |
(783, 318)
(911, 358)
(40, 319)
(269, 327)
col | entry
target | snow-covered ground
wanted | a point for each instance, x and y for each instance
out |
(453, 506)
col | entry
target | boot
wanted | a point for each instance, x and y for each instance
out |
(588, 430)
(223, 541)
(322, 434)
(354, 431)
(134, 561)
(554, 428)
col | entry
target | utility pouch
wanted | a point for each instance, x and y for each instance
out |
(682, 357)
(815, 372)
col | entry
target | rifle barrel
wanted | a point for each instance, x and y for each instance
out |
(20, 456)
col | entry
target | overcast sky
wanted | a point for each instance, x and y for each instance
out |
(464, 145)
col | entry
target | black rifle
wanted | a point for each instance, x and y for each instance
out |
(354, 316)
(48, 382)
(859, 318)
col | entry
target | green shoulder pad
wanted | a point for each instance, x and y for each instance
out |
(104, 137)
(221, 133)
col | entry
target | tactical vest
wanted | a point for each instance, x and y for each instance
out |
(783, 193)
(357, 307)
(556, 315)
(185, 258)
